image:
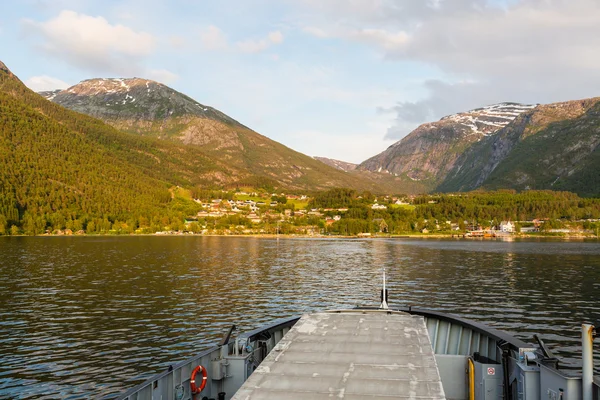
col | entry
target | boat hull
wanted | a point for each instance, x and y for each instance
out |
(466, 353)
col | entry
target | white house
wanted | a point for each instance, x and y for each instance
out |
(379, 206)
(507, 226)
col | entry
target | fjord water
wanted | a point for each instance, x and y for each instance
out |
(86, 317)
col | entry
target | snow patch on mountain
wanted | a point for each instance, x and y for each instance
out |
(489, 119)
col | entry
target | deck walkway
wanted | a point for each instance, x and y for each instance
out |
(372, 355)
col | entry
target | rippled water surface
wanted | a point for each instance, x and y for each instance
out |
(85, 317)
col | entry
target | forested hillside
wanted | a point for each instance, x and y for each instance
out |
(61, 169)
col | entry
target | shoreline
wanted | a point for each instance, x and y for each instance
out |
(319, 236)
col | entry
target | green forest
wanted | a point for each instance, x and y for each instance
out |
(437, 212)
(347, 212)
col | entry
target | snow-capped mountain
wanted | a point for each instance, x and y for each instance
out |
(133, 104)
(430, 151)
(554, 146)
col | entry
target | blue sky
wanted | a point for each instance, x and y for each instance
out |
(337, 78)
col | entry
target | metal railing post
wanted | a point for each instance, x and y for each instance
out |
(587, 360)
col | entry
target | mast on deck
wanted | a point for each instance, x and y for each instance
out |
(384, 294)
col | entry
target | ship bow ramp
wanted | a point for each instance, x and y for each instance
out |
(375, 354)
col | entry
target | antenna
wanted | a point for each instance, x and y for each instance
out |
(384, 294)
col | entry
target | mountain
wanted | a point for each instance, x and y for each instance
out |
(147, 108)
(553, 146)
(50, 94)
(341, 165)
(428, 153)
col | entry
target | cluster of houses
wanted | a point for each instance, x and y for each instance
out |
(250, 209)
(263, 210)
(218, 208)
(258, 211)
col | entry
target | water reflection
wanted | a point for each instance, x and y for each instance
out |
(84, 317)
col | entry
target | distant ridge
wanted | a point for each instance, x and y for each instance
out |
(341, 165)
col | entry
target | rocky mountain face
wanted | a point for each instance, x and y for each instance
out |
(147, 108)
(341, 165)
(50, 94)
(554, 146)
(429, 152)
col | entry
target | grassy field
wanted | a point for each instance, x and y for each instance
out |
(406, 206)
(179, 192)
(244, 197)
(298, 204)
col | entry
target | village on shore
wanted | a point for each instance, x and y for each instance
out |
(252, 213)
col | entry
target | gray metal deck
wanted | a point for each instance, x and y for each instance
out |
(349, 355)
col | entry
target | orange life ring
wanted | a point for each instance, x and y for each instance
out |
(195, 389)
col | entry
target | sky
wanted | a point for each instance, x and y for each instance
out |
(342, 79)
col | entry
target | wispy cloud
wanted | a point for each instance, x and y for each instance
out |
(381, 38)
(162, 76)
(259, 45)
(213, 38)
(44, 82)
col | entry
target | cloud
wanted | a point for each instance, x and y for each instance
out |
(44, 82)
(317, 32)
(257, 46)
(213, 38)
(176, 41)
(532, 51)
(381, 38)
(91, 42)
(162, 76)
(275, 37)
